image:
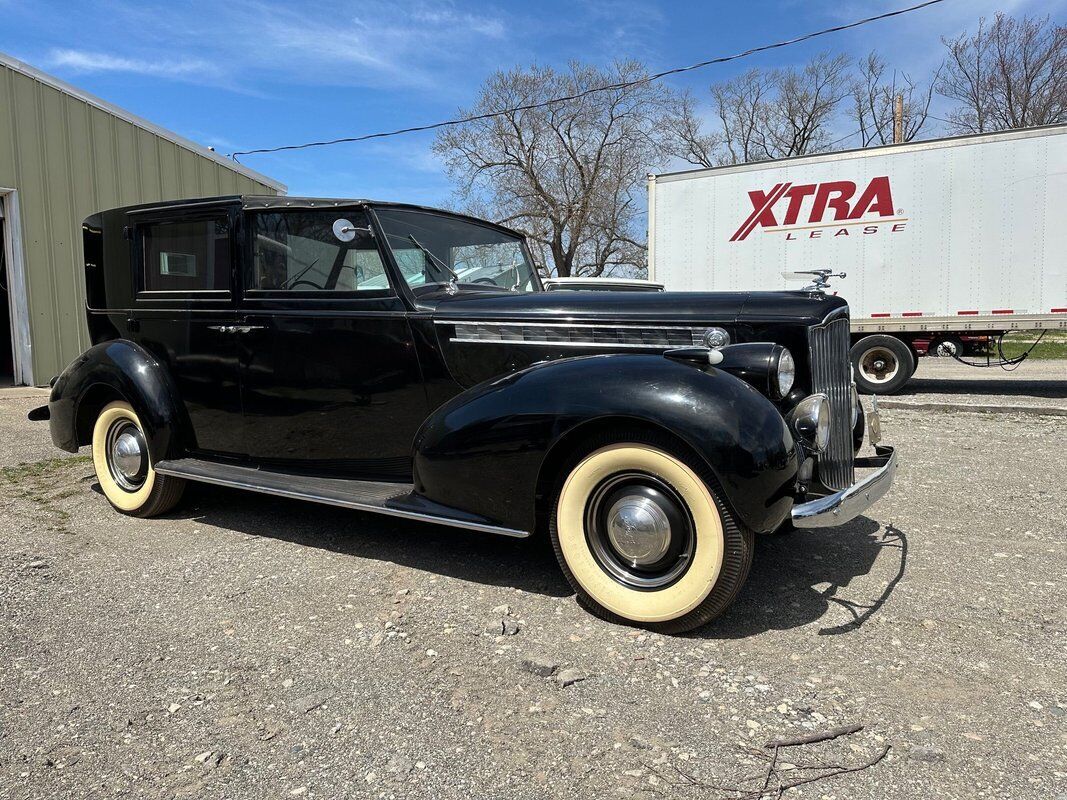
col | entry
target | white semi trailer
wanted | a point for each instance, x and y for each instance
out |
(931, 243)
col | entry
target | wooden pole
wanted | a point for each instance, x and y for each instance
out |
(898, 119)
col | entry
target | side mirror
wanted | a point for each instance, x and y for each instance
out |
(345, 231)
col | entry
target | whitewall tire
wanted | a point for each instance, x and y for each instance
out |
(124, 466)
(644, 538)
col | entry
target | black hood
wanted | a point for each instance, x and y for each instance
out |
(790, 307)
(676, 307)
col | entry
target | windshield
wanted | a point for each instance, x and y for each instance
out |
(432, 249)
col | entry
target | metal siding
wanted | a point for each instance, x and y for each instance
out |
(7, 130)
(83, 195)
(67, 159)
(190, 177)
(62, 304)
(169, 173)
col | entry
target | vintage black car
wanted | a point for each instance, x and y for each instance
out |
(406, 361)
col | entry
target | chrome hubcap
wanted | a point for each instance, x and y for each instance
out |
(127, 455)
(639, 530)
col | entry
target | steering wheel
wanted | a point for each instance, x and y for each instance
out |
(487, 281)
(308, 283)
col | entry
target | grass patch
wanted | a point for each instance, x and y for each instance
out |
(36, 469)
(1053, 345)
(39, 482)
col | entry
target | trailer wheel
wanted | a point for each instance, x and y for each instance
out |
(882, 364)
(949, 347)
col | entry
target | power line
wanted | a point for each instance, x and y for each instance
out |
(609, 87)
(843, 138)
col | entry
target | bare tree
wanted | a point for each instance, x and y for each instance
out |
(742, 105)
(873, 99)
(800, 120)
(763, 115)
(687, 137)
(1010, 74)
(569, 174)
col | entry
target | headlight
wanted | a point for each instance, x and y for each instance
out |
(766, 366)
(787, 371)
(811, 421)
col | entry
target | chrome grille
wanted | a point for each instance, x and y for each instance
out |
(573, 335)
(831, 374)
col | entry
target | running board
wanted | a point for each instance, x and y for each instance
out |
(392, 499)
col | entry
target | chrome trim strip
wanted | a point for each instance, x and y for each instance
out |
(840, 507)
(611, 345)
(646, 337)
(525, 324)
(163, 469)
(837, 312)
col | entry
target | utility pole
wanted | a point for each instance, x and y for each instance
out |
(898, 119)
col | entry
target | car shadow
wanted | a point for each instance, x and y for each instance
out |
(527, 564)
(781, 591)
(797, 578)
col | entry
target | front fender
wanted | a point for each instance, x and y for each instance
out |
(124, 368)
(484, 449)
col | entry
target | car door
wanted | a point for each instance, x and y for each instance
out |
(184, 306)
(329, 373)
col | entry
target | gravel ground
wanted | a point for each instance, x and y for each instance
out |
(1034, 383)
(23, 441)
(248, 647)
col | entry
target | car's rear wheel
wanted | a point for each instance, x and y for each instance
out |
(644, 538)
(124, 465)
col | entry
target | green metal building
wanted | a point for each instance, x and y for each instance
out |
(65, 154)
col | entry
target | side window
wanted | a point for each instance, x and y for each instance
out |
(315, 251)
(187, 255)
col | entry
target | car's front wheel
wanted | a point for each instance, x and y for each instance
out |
(643, 537)
(124, 465)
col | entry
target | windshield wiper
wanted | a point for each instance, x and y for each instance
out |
(453, 278)
(286, 284)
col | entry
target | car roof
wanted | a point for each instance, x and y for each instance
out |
(256, 202)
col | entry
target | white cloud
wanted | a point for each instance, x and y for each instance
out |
(252, 45)
(87, 61)
(489, 26)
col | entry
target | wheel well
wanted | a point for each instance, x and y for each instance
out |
(89, 407)
(574, 443)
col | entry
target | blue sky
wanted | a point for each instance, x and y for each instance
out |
(249, 73)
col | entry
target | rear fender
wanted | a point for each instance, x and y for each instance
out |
(484, 451)
(114, 370)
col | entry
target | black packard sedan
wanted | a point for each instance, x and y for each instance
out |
(407, 361)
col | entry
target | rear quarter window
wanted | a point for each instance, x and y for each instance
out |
(187, 255)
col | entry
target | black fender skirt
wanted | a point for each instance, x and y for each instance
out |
(129, 370)
(489, 449)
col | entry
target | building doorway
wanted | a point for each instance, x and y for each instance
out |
(7, 352)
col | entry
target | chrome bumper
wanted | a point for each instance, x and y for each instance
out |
(840, 507)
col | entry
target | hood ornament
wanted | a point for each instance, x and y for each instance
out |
(819, 283)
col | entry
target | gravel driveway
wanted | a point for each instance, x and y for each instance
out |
(248, 647)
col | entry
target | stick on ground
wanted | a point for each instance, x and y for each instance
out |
(819, 736)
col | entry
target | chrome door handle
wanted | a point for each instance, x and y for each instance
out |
(235, 328)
